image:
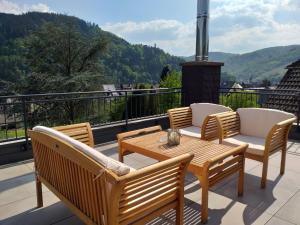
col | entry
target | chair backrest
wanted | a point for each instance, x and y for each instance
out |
(259, 121)
(109, 163)
(180, 117)
(81, 132)
(201, 110)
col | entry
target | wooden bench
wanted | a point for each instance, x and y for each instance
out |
(96, 194)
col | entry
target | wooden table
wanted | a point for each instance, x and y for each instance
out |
(211, 163)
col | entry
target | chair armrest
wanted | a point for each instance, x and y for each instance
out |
(278, 136)
(180, 117)
(182, 160)
(210, 129)
(229, 124)
(151, 188)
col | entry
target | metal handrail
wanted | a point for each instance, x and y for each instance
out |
(102, 107)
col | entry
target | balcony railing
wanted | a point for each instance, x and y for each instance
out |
(18, 113)
(283, 99)
(100, 108)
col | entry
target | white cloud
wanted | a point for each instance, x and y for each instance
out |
(235, 26)
(170, 35)
(40, 7)
(14, 8)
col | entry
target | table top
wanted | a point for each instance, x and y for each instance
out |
(152, 146)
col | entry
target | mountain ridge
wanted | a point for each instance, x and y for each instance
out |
(132, 63)
(267, 63)
(121, 63)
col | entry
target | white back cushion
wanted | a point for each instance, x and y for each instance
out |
(201, 110)
(109, 163)
(259, 121)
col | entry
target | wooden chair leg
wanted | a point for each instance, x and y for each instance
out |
(283, 159)
(264, 173)
(241, 179)
(179, 212)
(39, 192)
(121, 157)
(204, 202)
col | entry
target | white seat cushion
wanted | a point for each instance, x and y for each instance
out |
(191, 131)
(201, 110)
(109, 163)
(259, 121)
(256, 144)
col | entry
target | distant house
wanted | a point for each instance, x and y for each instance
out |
(8, 117)
(111, 89)
(126, 86)
(236, 86)
(287, 93)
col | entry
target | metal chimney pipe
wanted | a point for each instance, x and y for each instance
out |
(202, 39)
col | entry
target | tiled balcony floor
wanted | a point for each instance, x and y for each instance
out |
(278, 204)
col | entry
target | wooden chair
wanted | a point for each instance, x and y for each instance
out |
(81, 132)
(205, 128)
(265, 130)
(99, 196)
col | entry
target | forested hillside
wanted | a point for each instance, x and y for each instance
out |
(268, 63)
(120, 63)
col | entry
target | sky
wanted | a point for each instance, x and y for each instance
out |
(235, 26)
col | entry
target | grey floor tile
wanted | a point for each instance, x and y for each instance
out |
(107, 146)
(25, 205)
(192, 191)
(250, 164)
(191, 215)
(270, 199)
(16, 189)
(160, 221)
(277, 221)
(290, 211)
(43, 216)
(20, 187)
(278, 204)
(293, 146)
(292, 162)
(134, 163)
(73, 220)
(13, 170)
(290, 180)
(29, 164)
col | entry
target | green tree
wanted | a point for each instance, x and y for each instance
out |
(61, 59)
(172, 80)
(266, 83)
(170, 100)
(227, 79)
(241, 99)
(64, 58)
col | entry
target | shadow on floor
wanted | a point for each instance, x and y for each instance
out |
(40, 216)
(256, 200)
(16, 181)
(110, 151)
